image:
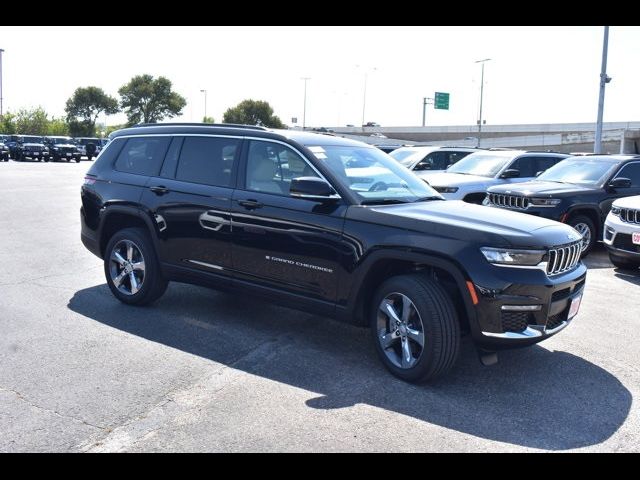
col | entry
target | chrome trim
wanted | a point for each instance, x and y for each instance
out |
(519, 202)
(563, 259)
(319, 198)
(204, 264)
(208, 217)
(526, 333)
(629, 215)
(562, 325)
(521, 308)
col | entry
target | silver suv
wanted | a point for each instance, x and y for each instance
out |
(469, 178)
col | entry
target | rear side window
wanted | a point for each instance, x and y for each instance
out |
(142, 155)
(110, 153)
(207, 160)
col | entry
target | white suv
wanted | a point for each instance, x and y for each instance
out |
(622, 232)
(430, 157)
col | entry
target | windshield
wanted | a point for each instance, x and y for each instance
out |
(30, 139)
(580, 171)
(409, 156)
(483, 164)
(372, 175)
(63, 141)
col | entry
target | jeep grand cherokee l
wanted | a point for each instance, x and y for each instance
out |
(578, 191)
(622, 232)
(469, 178)
(281, 215)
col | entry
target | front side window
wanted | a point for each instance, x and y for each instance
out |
(372, 175)
(207, 160)
(272, 166)
(632, 172)
(142, 155)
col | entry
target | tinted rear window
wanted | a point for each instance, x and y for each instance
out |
(207, 160)
(142, 155)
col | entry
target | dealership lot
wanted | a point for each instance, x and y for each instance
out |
(206, 371)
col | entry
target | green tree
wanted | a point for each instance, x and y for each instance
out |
(57, 126)
(31, 122)
(149, 101)
(208, 120)
(85, 105)
(8, 124)
(252, 112)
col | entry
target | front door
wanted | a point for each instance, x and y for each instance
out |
(279, 241)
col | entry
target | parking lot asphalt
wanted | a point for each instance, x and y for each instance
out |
(206, 371)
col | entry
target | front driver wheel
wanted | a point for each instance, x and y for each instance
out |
(585, 227)
(132, 269)
(415, 328)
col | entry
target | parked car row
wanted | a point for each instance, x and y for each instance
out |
(54, 148)
(576, 189)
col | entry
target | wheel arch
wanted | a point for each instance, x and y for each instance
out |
(385, 264)
(590, 212)
(118, 217)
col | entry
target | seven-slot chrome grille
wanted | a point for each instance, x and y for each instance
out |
(510, 201)
(630, 215)
(564, 258)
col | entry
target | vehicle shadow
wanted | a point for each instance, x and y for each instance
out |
(597, 258)
(533, 397)
(631, 276)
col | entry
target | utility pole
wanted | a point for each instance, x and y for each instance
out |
(1, 52)
(205, 104)
(425, 102)
(604, 79)
(481, 98)
(304, 107)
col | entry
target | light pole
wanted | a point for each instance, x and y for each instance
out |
(425, 102)
(364, 93)
(604, 79)
(304, 105)
(481, 98)
(1, 52)
(205, 105)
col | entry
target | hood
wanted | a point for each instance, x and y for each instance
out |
(459, 220)
(539, 188)
(628, 202)
(445, 179)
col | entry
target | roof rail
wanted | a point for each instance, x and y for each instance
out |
(543, 151)
(194, 124)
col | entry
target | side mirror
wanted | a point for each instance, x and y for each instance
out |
(510, 173)
(620, 182)
(312, 188)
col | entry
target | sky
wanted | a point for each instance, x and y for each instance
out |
(535, 75)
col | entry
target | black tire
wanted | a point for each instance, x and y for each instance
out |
(439, 321)
(77, 160)
(582, 220)
(623, 262)
(153, 283)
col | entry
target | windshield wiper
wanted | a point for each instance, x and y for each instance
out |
(383, 201)
(426, 199)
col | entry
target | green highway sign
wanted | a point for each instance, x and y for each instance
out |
(441, 101)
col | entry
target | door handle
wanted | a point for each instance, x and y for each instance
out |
(250, 204)
(159, 190)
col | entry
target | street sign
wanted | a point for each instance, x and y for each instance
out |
(441, 101)
(294, 119)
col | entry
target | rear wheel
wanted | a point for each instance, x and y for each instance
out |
(584, 226)
(623, 262)
(132, 269)
(415, 328)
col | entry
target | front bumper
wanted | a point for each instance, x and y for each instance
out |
(617, 238)
(520, 307)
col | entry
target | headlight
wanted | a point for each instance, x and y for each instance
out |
(446, 189)
(615, 211)
(545, 202)
(508, 256)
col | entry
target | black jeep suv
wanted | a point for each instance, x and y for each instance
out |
(578, 191)
(62, 148)
(332, 226)
(28, 146)
(4, 149)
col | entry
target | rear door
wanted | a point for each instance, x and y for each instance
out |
(190, 199)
